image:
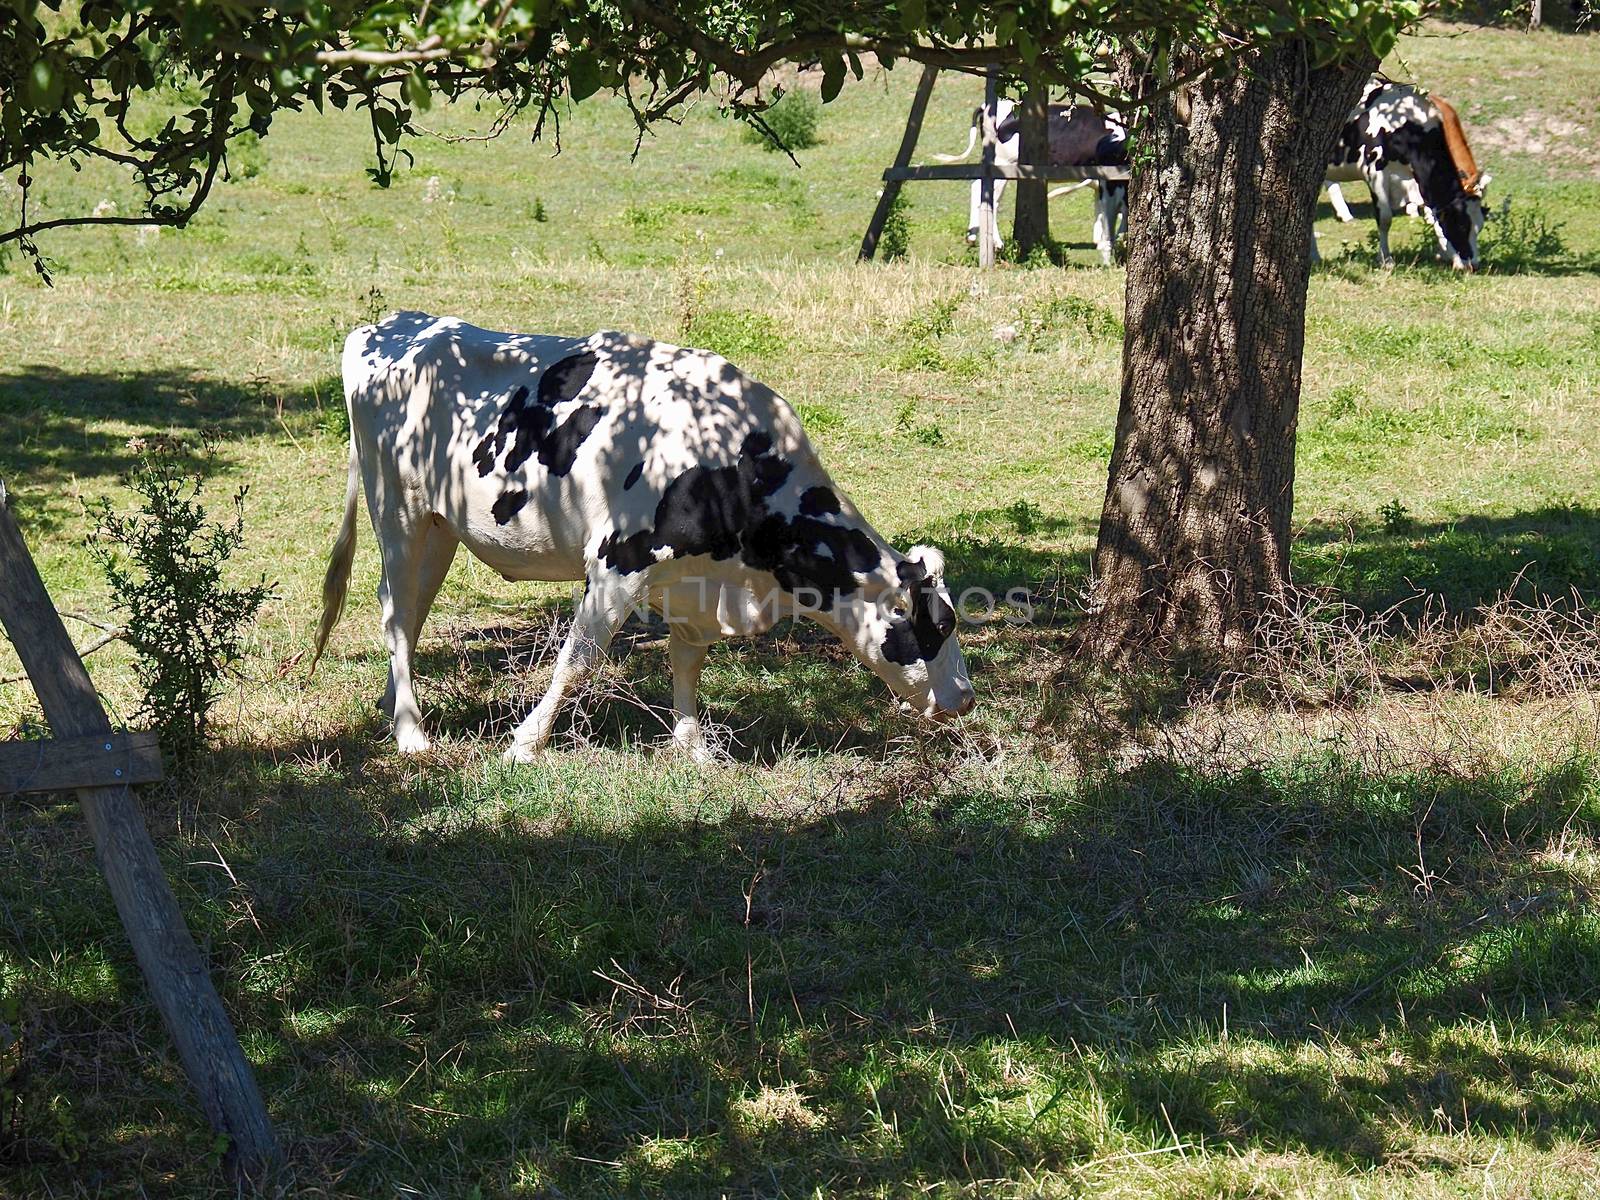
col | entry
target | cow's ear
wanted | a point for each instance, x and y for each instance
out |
(930, 559)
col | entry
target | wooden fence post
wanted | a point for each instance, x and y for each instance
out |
(987, 226)
(172, 966)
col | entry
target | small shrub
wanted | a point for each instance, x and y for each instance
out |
(1522, 239)
(247, 157)
(1396, 517)
(924, 433)
(1041, 321)
(793, 120)
(1025, 516)
(165, 565)
(735, 335)
(539, 214)
(1345, 401)
(895, 240)
(919, 336)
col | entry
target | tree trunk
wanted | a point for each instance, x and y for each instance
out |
(1032, 225)
(1194, 535)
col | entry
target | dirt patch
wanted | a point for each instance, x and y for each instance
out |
(1538, 135)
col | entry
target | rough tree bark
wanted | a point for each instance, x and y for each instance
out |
(1194, 534)
(1031, 227)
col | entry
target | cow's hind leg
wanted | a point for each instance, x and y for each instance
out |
(434, 552)
(605, 605)
(687, 659)
(1340, 208)
(397, 599)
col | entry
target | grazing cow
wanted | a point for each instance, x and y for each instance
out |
(657, 475)
(1399, 140)
(1079, 137)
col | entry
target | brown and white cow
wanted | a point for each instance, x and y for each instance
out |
(1409, 147)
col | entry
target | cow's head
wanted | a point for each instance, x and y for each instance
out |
(905, 631)
(1458, 223)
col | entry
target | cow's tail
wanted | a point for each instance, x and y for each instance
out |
(972, 137)
(337, 581)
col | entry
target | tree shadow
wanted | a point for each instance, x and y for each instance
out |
(53, 426)
(1549, 553)
(636, 984)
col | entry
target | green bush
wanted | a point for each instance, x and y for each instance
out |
(165, 564)
(895, 240)
(1521, 239)
(792, 120)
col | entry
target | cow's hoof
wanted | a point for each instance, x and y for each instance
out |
(412, 741)
(521, 754)
(697, 752)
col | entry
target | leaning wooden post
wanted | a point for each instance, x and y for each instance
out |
(986, 215)
(172, 966)
(908, 147)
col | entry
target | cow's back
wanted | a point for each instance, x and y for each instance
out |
(535, 448)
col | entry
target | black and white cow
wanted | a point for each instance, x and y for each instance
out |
(1409, 147)
(1079, 137)
(656, 475)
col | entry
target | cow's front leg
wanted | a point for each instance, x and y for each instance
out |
(687, 660)
(1384, 212)
(605, 605)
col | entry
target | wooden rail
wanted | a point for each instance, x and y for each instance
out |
(1006, 171)
(172, 966)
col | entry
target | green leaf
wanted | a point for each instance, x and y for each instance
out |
(583, 75)
(42, 86)
(418, 91)
(832, 76)
(383, 119)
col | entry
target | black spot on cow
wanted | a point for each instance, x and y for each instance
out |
(931, 622)
(565, 379)
(633, 476)
(722, 512)
(509, 505)
(532, 428)
(818, 502)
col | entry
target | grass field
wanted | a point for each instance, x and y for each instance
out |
(1329, 935)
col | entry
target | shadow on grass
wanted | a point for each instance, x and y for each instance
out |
(52, 433)
(1551, 552)
(614, 980)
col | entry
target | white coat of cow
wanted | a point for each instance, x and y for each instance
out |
(656, 475)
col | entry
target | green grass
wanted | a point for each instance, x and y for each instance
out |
(1109, 937)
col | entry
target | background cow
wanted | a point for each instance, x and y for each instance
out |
(1406, 145)
(657, 475)
(1079, 137)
